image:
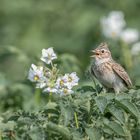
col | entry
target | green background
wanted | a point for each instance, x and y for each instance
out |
(71, 27)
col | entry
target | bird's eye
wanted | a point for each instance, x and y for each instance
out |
(102, 51)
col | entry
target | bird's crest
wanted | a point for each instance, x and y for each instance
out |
(103, 45)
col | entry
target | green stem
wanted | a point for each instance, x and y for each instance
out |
(76, 120)
(50, 97)
(37, 96)
(52, 65)
(129, 136)
(75, 115)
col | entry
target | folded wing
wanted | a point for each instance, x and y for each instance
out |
(119, 70)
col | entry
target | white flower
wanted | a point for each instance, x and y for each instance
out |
(51, 90)
(68, 80)
(35, 73)
(72, 80)
(135, 49)
(48, 55)
(65, 91)
(113, 24)
(129, 35)
(61, 81)
(41, 84)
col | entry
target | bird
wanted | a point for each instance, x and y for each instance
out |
(107, 71)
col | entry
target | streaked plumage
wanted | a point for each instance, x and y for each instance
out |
(109, 73)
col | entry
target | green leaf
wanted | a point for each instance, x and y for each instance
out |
(83, 102)
(36, 133)
(93, 133)
(117, 113)
(116, 127)
(13, 118)
(63, 131)
(108, 130)
(51, 105)
(7, 126)
(101, 103)
(86, 106)
(67, 113)
(119, 138)
(109, 96)
(123, 96)
(84, 89)
(130, 107)
(76, 135)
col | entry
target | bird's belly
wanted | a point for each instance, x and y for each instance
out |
(108, 78)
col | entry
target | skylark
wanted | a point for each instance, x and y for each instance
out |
(109, 73)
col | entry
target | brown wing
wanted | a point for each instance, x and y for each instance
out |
(122, 74)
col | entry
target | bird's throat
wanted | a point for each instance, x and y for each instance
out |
(101, 61)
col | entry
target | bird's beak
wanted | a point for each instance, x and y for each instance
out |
(95, 53)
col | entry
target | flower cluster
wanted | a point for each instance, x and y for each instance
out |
(48, 79)
(113, 26)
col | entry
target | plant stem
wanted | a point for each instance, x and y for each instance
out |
(52, 65)
(76, 120)
(75, 115)
(37, 96)
(129, 137)
(50, 96)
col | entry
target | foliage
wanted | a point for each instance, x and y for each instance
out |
(98, 116)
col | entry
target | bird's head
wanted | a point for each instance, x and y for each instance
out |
(101, 52)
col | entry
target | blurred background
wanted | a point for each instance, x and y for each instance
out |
(72, 28)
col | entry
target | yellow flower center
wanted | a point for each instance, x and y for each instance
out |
(69, 79)
(36, 77)
(61, 83)
(49, 56)
(65, 91)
